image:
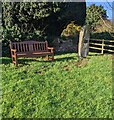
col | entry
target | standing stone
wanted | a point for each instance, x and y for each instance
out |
(83, 45)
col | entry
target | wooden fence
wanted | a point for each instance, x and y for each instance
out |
(102, 45)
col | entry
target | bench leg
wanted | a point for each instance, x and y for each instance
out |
(52, 57)
(14, 60)
(47, 57)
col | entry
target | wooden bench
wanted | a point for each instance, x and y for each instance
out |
(30, 49)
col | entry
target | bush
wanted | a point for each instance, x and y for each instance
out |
(71, 31)
(103, 35)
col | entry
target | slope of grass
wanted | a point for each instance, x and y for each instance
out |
(40, 89)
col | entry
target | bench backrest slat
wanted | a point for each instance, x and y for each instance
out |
(18, 48)
(24, 48)
(41, 47)
(14, 45)
(21, 50)
(29, 46)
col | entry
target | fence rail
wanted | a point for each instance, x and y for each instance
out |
(102, 45)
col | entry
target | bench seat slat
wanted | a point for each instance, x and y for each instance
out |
(33, 54)
(25, 53)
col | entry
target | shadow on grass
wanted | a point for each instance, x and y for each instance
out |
(5, 60)
(63, 53)
(96, 54)
(64, 59)
(26, 61)
(23, 62)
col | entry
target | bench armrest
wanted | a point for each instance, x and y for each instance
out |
(51, 49)
(13, 51)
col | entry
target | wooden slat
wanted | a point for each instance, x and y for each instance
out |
(96, 44)
(23, 48)
(45, 46)
(109, 45)
(95, 48)
(14, 56)
(96, 40)
(14, 45)
(27, 47)
(38, 46)
(109, 40)
(18, 48)
(14, 62)
(30, 46)
(109, 50)
(101, 40)
(41, 46)
(27, 42)
(101, 49)
(20, 45)
(35, 47)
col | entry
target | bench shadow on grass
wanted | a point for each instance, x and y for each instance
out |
(65, 59)
(23, 62)
(26, 61)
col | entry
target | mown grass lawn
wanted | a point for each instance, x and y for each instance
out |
(59, 89)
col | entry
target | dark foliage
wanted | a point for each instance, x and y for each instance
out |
(39, 20)
(103, 35)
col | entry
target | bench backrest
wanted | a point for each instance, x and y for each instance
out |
(29, 46)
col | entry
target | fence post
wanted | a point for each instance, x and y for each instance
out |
(102, 47)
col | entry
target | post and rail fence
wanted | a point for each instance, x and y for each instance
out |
(102, 45)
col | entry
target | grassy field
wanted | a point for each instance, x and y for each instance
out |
(59, 89)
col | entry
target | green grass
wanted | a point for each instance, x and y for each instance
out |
(59, 89)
